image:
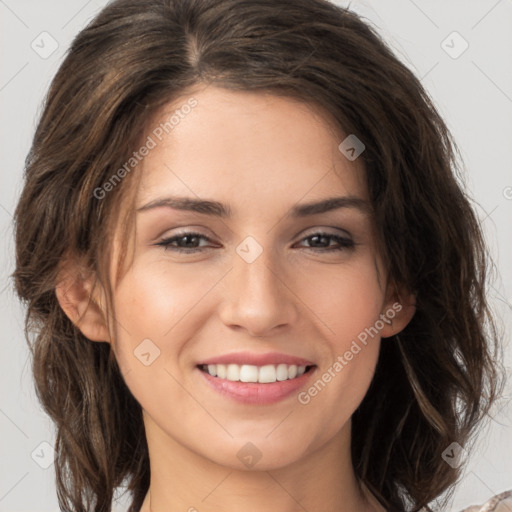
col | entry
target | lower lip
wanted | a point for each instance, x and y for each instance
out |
(254, 392)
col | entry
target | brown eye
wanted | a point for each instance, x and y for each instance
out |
(320, 241)
(184, 242)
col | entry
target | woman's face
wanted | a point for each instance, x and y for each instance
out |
(267, 281)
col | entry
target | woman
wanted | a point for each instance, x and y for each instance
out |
(255, 279)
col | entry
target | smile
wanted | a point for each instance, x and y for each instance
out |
(251, 373)
(255, 385)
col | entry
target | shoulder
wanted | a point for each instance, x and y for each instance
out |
(500, 503)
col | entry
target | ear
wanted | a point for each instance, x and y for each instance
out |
(398, 310)
(82, 301)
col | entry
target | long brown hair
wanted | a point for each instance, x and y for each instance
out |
(433, 383)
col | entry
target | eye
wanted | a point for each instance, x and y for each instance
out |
(321, 238)
(189, 246)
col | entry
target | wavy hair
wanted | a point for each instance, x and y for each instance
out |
(434, 382)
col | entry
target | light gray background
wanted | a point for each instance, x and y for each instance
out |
(474, 94)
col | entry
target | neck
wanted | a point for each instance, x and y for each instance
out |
(182, 480)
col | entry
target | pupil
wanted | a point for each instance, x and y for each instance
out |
(316, 238)
(189, 237)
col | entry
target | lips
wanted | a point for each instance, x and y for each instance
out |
(252, 378)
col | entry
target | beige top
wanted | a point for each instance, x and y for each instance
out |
(499, 503)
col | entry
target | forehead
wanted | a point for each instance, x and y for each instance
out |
(248, 149)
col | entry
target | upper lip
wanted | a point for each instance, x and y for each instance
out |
(241, 358)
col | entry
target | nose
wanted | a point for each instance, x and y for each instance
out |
(258, 297)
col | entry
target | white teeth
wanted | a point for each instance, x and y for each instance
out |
(221, 370)
(282, 372)
(233, 372)
(267, 374)
(250, 373)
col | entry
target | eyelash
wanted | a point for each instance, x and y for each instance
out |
(345, 243)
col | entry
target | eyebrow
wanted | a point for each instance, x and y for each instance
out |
(214, 208)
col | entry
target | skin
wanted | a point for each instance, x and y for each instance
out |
(261, 155)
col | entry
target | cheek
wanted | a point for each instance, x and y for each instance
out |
(153, 307)
(158, 311)
(152, 300)
(344, 299)
(348, 304)
(154, 304)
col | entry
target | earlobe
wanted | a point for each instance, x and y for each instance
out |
(399, 312)
(81, 303)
